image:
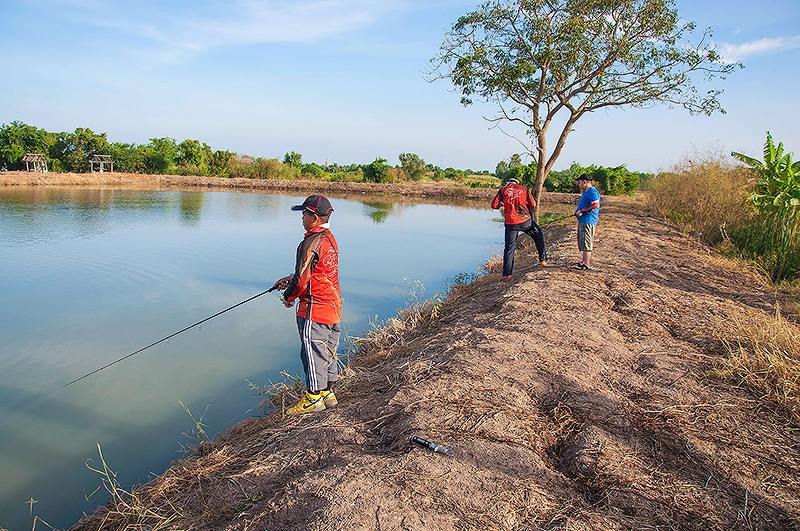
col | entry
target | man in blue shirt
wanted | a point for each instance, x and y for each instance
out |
(587, 213)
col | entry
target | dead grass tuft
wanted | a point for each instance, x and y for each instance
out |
(138, 514)
(703, 197)
(764, 355)
(384, 336)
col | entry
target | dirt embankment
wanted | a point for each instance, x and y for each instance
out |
(570, 399)
(138, 181)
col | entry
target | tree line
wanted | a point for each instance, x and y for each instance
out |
(71, 151)
(617, 180)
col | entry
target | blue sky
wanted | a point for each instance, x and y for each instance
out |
(343, 80)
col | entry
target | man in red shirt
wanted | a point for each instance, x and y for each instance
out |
(518, 204)
(315, 283)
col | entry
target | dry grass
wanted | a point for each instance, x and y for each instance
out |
(125, 505)
(703, 197)
(383, 336)
(792, 305)
(764, 355)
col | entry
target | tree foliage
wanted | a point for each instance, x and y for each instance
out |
(546, 62)
(313, 170)
(161, 155)
(17, 139)
(74, 149)
(293, 159)
(377, 171)
(514, 168)
(778, 185)
(773, 235)
(71, 151)
(413, 165)
(617, 180)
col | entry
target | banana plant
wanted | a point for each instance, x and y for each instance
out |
(778, 185)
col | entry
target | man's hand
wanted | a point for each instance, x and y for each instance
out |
(282, 283)
(286, 303)
(578, 213)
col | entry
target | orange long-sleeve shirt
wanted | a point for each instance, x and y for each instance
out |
(517, 201)
(316, 278)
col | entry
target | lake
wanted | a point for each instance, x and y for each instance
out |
(88, 276)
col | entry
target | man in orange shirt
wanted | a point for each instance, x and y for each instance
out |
(315, 283)
(518, 204)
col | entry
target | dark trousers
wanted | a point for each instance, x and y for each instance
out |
(512, 231)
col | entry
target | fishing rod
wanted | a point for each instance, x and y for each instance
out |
(562, 218)
(106, 366)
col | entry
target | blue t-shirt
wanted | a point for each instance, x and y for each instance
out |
(587, 198)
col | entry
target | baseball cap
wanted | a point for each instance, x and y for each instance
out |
(584, 177)
(318, 204)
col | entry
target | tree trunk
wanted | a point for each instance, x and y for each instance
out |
(541, 145)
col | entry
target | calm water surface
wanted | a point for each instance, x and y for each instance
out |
(87, 276)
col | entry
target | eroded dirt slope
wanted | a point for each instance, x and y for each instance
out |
(570, 399)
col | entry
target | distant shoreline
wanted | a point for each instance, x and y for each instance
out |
(134, 180)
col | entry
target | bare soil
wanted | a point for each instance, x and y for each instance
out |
(569, 399)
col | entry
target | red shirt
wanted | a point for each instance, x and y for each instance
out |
(316, 278)
(517, 201)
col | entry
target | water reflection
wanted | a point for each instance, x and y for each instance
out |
(89, 275)
(378, 211)
(191, 205)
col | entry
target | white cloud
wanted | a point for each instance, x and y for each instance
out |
(179, 32)
(737, 52)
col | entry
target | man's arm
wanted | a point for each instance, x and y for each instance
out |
(496, 202)
(592, 206)
(531, 201)
(302, 274)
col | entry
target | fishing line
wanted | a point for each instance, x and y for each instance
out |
(273, 288)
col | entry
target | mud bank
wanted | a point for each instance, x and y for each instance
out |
(139, 181)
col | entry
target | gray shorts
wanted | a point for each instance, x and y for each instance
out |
(585, 236)
(318, 344)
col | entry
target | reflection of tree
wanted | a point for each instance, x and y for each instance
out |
(378, 211)
(191, 204)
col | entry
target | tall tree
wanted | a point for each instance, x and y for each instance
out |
(293, 159)
(75, 149)
(17, 139)
(194, 155)
(161, 155)
(546, 62)
(413, 165)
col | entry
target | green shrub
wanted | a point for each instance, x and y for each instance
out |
(412, 165)
(248, 167)
(773, 242)
(17, 139)
(346, 176)
(313, 171)
(616, 181)
(377, 171)
(293, 159)
(772, 236)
